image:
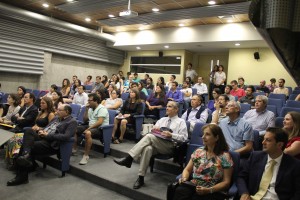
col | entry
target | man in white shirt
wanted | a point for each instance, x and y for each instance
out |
(200, 86)
(270, 174)
(80, 97)
(191, 72)
(150, 144)
(281, 89)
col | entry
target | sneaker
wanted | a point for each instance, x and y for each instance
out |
(84, 160)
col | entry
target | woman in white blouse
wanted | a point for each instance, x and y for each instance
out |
(13, 101)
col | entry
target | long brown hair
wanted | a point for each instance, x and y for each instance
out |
(296, 127)
(137, 96)
(50, 108)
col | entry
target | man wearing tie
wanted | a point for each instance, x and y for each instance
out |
(270, 174)
(150, 144)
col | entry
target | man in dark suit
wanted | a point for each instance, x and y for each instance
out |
(283, 171)
(27, 114)
(44, 142)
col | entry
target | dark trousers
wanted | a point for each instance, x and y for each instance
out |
(183, 192)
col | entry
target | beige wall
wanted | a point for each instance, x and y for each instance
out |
(179, 77)
(242, 63)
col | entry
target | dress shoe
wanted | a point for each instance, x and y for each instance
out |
(17, 181)
(138, 183)
(127, 161)
(24, 161)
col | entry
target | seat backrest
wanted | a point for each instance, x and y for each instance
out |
(28, 90)
(209, 118)
(291, 103)
(81, 114)
(285, 110)
(276, 102)
(75, 109)
(244, 108)
(279, 122)
(278, 96)
(42, 93)
(112, 115)
(255, 94)
(293, 96)
(4, 98)
(88, 87)
(236, 161)
(272, 108)
(290, 89)
(196, 137)
(256, 141)
(296, 92)
(149, 92)
(194, 91)
(36, 93)
(125, 96)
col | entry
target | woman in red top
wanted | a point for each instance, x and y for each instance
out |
(291, 125)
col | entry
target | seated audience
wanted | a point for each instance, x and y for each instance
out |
(114, 102)
(142, 95)
(44, 142)
(44, 117)
(228, 88)
(88, 80)
(156, 101)
(171, 80)
(57, 100)
(27, 114)
(281, 89)
(272, 85)
(52, 89)
(21, 92)
(210, 182)
(291, 125)
(270, 174)
(187, 94)
(263, 88)
(146, 76)
(220, 112)
(197, 113)
(238, 133)
(95, 115)
(150, 144)
(241, 83)
(211, 104)
(136, 78)
(160, 81)
(200, 86)
(102, 93)
(80, 97)
(149, 84)
(189, 80)
(132, 106)
(127, 83)
(74, 88)
(236, 91)
(249, 98)
(65, 88)
(174, 94)
(141, 87)
(97, 85)
(111, 88)
(116, 82)
(13, 101)
(260, 118)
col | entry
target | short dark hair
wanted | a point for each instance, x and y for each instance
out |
(230, 87)
(282, 79)
(68, 108)
(218, 91)
(89, 76)
(134, 83)
(225, 97)
(280, 135)
(31, 96)
(175, 82)
(54, 87)
(147, 75)
(200, 97)
(83, 87)
(95, 97)
(190, 64)
(252, 87)
(241, 78)
(234, 81)
(173, 76)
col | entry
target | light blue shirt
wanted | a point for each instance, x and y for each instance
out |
(236, 132)
(94, 115)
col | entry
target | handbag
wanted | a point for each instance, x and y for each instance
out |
(171, 190)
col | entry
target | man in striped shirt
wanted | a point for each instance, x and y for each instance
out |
(259, 117)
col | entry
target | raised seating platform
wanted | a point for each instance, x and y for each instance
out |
(104, 172)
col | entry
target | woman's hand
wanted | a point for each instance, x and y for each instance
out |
(35, 128)
(181, 180)
(202, 190)
(126, 115)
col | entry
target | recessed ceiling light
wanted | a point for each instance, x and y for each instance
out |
(229, 20)
(155, 9)
(237, 44)
(181, 25)
(166, 46)
(87, 19)
(70, 0)
(211, 2)
(110, 15)
(138, 47)
(141, 28)
(45, 5)
(220, 17)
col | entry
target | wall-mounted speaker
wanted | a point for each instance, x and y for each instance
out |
(160, 54)
(256, 55)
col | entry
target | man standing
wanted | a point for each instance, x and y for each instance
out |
(260, 118)
(96, 115)
(249, 98)
(238, 133)
(270, 174)
(236, 91)
(200, 86)
(80, 96)
(44, 142)
(27, 114)
(191, 72)
(197, 113)
(174, 94)
(281, 89)
(97, 85)
(150, 144)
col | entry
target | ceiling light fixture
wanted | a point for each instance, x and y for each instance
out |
(141, 28)
(211, 2)
(166, 46)
(70, 0)
(128, 12)
(237, 44)
(138, 48)
(45, 5)
(155, 9)
(111, 16)
(87, 19)
(229, 20)
(180, 24)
